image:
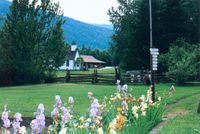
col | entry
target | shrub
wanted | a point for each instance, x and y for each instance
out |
(182, 61)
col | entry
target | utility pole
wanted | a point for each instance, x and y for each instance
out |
(153, 56)
(151, 45)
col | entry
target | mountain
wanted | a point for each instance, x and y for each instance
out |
(95, 36)
(109, 26)
(87, 34)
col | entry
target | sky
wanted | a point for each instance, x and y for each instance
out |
(88, 11)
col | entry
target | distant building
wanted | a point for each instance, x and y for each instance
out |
(86, 60)
(71, 58)
(90, 62)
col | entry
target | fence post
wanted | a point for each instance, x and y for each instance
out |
(68, 76)
(116, 74)
(95, 77)
(119, 74)
(198, 110)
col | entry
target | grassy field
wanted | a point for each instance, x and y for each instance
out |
(187, 122)
(25, 99)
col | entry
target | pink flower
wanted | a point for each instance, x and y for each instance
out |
(41, 108)
(95, 104)
(118, 81)
(124, 105)
(170, 94)
(4, 115)
(93, 112)
(18, 117)
(57, 98)
(172, 88)
(16, 126)
(118, 88)
(54, 112)
(71, 100)
(102, 106)
(124, 89)
(6, 123)
(87, 125)
(89, 120)
(90, 94)
(5, 119)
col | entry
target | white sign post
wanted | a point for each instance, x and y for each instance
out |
(154, 53)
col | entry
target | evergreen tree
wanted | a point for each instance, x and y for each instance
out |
(34, 39)
(83, 47)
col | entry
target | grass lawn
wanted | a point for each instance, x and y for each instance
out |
(25, 99)
(188, 123)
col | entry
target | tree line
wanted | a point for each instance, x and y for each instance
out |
(171, 20)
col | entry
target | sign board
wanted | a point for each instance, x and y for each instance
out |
(154, 68)
(154, 59)
(154, 53)
(154, 49)
(154, 62)
(154, 56)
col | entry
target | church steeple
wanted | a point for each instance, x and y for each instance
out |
(73, 46)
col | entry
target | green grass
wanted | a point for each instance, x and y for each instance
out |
(25, 99)
(187, 123)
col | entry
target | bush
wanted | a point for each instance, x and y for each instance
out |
(181, 60)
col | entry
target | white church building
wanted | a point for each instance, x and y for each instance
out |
(71, 58)
(87, 61)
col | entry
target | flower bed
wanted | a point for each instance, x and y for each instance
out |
(120, 113)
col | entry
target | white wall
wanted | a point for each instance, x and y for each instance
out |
(77, 55)
(73, 47)
(72, 65)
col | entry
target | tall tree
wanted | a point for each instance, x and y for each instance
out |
(124, 41)
(34, 39)
(172, 19)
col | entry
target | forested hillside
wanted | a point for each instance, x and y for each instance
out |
(82, 33)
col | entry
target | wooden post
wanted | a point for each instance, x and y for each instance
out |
(96, 76)
(119, 74)
(116, 74)
(198, 110)
(68, 76)
(153, 84)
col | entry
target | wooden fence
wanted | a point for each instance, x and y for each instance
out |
(107, 78)
(92, 78)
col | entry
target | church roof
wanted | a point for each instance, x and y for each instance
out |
(72, 55)
(73, 43)
(90, 59)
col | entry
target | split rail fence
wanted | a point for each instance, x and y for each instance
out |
(107, 78)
